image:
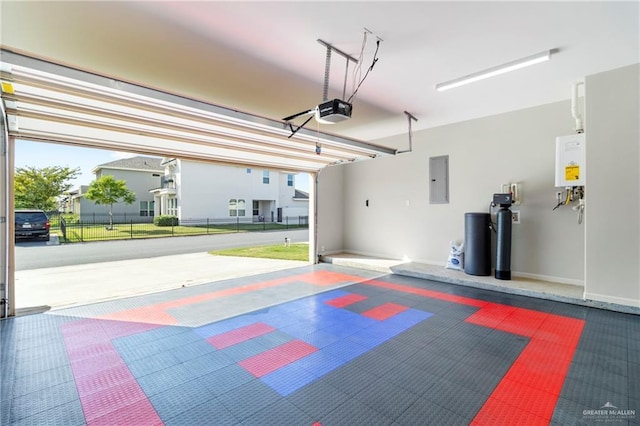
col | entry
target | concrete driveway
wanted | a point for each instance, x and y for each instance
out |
(49, 288)
(141, 268)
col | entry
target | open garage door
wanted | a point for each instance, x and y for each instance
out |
(48, 102)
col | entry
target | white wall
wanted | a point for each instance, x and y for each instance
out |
(330, 212)
(514, 147)
(204, 190)
(613, 186)
(138, 181)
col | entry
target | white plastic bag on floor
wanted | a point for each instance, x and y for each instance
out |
(456, 256)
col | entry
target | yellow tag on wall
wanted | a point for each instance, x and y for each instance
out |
(572, 172)
(7, 87)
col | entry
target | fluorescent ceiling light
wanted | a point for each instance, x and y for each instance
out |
(500, 69)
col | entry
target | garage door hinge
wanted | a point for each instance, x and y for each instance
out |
(3, 219)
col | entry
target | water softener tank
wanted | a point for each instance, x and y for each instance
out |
(503, 244)
(477, 244)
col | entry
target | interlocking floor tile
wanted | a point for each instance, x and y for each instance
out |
(167, 378)
(346, 300)
(226, 379)
(181, 398)
(375, 363)
(388, 350)
(248, 399)
(456, 398)
(318, 398)
(354, 412)
(213, 412)
(41, 400)
(425, 412)
(273, 359)
(69, 414)
(280, 413)
(151, 364)
(589, 396)
(139, 412)
(239, 335)
(350, 380)
(23, 385)
(103, 379)
(391, 403)
(288, 379)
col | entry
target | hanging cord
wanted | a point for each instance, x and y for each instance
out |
(357, 71)
(566, 201)
(580, 207)
(375, 59)
(318, 146)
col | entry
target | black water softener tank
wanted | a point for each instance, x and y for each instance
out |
(477, 244)
(503, 236)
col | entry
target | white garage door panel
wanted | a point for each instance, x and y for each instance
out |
(81, 134)
(44, 103)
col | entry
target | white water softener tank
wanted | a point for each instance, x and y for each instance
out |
(570, 160)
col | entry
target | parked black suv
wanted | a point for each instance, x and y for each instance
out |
(32, 224)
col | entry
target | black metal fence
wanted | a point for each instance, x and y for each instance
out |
(76, 230)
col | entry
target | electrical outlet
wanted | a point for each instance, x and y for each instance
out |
(515, 216)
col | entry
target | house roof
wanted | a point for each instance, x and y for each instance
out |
(301, 195)
(133, 163)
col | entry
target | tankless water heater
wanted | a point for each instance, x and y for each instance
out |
(570, 160)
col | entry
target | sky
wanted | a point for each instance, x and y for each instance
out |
(40, 154)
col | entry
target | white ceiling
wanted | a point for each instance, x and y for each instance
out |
(263, 58)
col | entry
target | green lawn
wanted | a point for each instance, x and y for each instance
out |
(84, 232)
(298, 251)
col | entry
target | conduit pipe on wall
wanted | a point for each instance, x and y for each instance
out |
(577, 116)
(4, 170)
(410, 117)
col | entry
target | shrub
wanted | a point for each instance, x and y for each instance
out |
(165, 220)
(71, 218)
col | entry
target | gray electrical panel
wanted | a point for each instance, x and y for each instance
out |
(439, 180)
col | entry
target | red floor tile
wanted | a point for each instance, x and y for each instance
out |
(239, 335)
(349, 299)
(427, 293)
(273, 359)
(139, 412)
(385, 311)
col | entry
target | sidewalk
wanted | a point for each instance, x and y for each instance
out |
(65, 286)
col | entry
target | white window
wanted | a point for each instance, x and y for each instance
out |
(289, 180)
(237, 207)
(248, 171)
(265, 176)
(146, 208)
(172, 206)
